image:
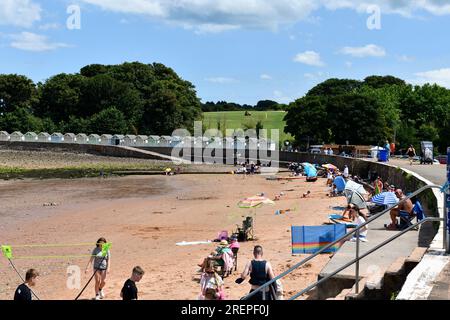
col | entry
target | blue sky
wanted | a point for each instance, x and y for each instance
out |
(240, 51)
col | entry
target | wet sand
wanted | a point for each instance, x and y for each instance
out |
(144, 217)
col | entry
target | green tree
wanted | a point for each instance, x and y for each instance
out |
(16, 91)
(110, 120)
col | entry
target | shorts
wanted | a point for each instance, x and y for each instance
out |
(404, 214)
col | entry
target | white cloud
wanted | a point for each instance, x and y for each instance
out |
(49, 26)
(19, 13)
(348, 64)
(369, 50)
(311, 58)
(222, 15)
(34, 42)
(221, 80)
(265, 77)
(439, 76)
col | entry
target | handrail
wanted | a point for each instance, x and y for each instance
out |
(399, 234)
(299, 264)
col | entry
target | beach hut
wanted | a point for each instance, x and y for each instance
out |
(106, 139)
(118, 140)
(57, 137)
(176, 141)
(240, 143)
(70, 138)
(44, 137)
(94, 139)
(82, 138)
(165, 141)
(154, 141)
(187, 141)
(17, 136)
(130, 140)
(30, 137)
(4, 136)
(142, 140)
(229, 143)
(252, 143)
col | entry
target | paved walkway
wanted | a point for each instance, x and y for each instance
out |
(436, 173)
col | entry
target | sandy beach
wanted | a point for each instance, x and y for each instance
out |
(144, 217)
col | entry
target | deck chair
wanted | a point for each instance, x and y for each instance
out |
(406, 220)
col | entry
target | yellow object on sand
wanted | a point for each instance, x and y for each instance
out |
(168, 170)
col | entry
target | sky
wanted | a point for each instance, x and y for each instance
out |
(238, 51)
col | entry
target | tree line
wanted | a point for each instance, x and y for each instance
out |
(262, 105)
(371, 111)
(130, 98)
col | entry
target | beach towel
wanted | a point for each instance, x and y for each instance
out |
(310, 239)
(184, 243)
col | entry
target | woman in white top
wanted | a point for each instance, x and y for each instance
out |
(359, 218)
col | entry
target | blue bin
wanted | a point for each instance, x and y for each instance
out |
(383, 155)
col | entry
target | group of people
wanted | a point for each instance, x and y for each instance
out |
(101, 265)
(258, 270)
(248, 167)
(215, 266)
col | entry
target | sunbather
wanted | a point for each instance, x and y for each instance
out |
(211, 283)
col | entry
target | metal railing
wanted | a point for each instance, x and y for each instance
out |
(355, 230)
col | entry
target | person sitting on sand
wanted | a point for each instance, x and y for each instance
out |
(23, 292)
(101, 264)
(404, 209)
(129, 289)
(306, 194)
(223, 257)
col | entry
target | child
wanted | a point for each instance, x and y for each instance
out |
(101, 266)
(23, 292)
(129, 290)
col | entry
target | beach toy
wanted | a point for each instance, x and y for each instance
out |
(7, 252)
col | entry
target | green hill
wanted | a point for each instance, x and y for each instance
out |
(238, 119)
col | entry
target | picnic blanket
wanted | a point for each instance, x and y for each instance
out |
(310, 239)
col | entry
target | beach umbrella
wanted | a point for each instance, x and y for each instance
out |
(353, 186)
(329, 166)
(385, 198)
(355, 198)
(309, 169)
(339, 181)
(253, 203)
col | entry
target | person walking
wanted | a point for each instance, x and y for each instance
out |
(102, 265)
(23, 292)
(129, 290)
(260, 271)
(411, 152)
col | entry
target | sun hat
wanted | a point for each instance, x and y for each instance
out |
(224, 243)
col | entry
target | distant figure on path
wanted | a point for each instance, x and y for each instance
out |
(411, 152)
(23, 292)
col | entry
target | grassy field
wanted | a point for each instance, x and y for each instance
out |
(237, 119)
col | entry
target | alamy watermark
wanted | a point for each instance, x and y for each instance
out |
(236, 147)
(73, 22)
(374, 20)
